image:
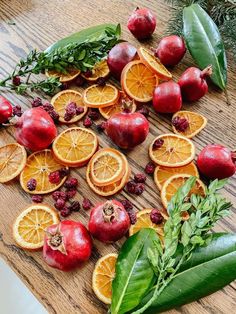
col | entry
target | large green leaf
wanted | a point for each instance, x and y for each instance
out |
(210, 268)
(204, 43)
(90, 33)
(134, 274)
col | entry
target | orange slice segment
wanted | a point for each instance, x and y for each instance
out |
(144, 221)
(64, 98)
(97, 96)
(63, 77)
(196, 122)
(12, 161)
(30, 226)
(174, 150)
(75, 146)
(171, 186)
(103, 274)
(154, 64)
(162, 174)
(100, 69)
(138, 81)
(38, 166)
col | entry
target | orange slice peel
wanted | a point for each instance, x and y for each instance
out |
(63, 77)
(97, 96)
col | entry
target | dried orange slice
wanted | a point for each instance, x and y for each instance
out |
(100, 69)
(107, 166)
(144, 221)
(63, 77)
(138, 81)
(171, 186)
(174, 150)
(75, 146)
(162, 174)
(103, 274)
(64, 98)
(97, 96)
(195, 120)
(154, 64)
(38, 166)
(107, 112)
(29, 227)
(12, 161)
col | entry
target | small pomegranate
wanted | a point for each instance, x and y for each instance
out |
(167, 97)
(171, 50)
(193, 83)
(142, 23)
(217, 162)
(6, 110)
(109, 221)
(67, 245)
(35, 129)
(119, 56)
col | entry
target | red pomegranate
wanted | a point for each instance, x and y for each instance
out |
(35, 129)
(109, 221)
(6, 110)
(216, 162)
(67, 245)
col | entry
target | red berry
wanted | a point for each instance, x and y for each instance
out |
(59, 194)
(150, 168)
(156, 216)
(60, 203)
(36, 102)
(17, 111)
(71, 108)
(64, 172)
(31, 184)
(74, 206)
(127, 205)
(71, 193)
(86, 204)
(65, 212)
(139, 188)
(88, 73)
(87, 122)
(132, 217)
(158, 143)
(140, 178)
(79, 81)
(101, 127)
(181, 124)
(16, 81)
(130, 186)
(47, 106)
(64, 86)
(54, 115)
(54, 177)
(37, 198)
(79, 110)
(93, 114)
(71, 183)
(101, 81)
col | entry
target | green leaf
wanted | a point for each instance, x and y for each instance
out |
(134, 274)
(204, 43)
(209, 269)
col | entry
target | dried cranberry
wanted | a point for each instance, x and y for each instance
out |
(60, 203)
(156, 216)
(67, 116)
(150, 168)
(88, 73)
(71, 183)
(65, 212)
(127, 204)
(130, 186)
(87, 122)
(132, 217)
(79, 110)
(64, 172)
(158, 143)
(140, 178)
(59, 194)
(17, 111)
(36, 102)
(93, 114)
(47, 106)
(139, 188)
(54, 177)
(31, 184)
(71, 109)
(71, 193)
(79, 81)
(144, 111)
(16, 80)
(181, 124)
(74, 206)
(37, 198)
(101, 127)
(54, 115)
(101, 81)
(86, 204)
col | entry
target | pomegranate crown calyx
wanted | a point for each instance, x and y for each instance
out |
(55, 240)
(109, 212)
(127, 105)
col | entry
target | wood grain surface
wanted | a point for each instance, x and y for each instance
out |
(38, 23)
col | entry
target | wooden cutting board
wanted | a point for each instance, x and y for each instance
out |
(38, 23)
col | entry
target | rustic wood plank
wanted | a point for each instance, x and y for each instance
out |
(38, 24)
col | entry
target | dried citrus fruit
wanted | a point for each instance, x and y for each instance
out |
(171, 186)
(62, 99)
(107, 166)
(154, 64)
(29, 227)
(162, 174)
(63, 77)
(38, 166)
(138, 81)
(103, 274)
(97, 96)
(75, 146)
(107, 112)
(100, 69)
(12, 161)
(144, 221)
(172, 150)
(194, 122)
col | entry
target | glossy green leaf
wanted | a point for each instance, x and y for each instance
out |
(204, 43)
(209, 269)
(134, 274)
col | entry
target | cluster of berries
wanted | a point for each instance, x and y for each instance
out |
(136, 186)
(37, 102)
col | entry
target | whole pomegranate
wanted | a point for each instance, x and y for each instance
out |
(193, 83)
(167, 97)
(142, 23)
(35, 129)
(216, 162)
(127, 129)
(6, 110)
(119, 56)
(171, 50)
(109, 221)
(67, 245)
